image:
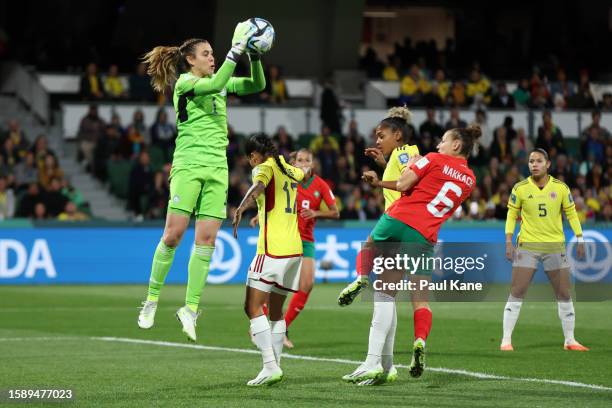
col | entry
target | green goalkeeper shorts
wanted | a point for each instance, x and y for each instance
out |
(200, 190)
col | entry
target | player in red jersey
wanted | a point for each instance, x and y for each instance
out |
(311, 192)
(438, 183)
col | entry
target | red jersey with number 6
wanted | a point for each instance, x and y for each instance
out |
(444, 183)
(309, 196)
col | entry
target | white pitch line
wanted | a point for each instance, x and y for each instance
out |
(344, 361)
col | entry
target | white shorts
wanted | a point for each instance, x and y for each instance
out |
(279, 275)
(524, 258)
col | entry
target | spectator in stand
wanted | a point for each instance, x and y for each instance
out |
(92, 87)
(324, 137)
(71, 213)
(600, 133)
(54, 200)
(358, 142)
(502, 99)
(509, 125)
(478, 89)
(566, 89)
(500, 148)
(109, 147)
(163, 134)
(140, 85)
(594, 144)
(49, 171)
(430, 127)
(331, 111)
(328, 158)
(583, 99)
(7, 200)
(40, 212)
(276, 88)
(393, 70)
(480, 119)
(113, 85)
(135, 141)
(371, 64)
(17, 135)
(606, 103)
(9, 154)
(441, 86)
(457, 94)
(521, 145)
(283, 142)
(562, 170)
(413, 87)
(158, 197)
(476, 205)
(540, 98)
(455, 120)
(41, 150)
(522, 94)
(140, 184)
(25, 209)
(91, 130)
(550, 137)
(26, 172)
(72, 194)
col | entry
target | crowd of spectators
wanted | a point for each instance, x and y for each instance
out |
(32, 183)
(426, 83)
(499, 160)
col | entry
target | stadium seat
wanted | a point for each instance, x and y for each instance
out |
(157, 157)
(119, 176)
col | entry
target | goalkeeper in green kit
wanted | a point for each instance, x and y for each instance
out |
(199, 176)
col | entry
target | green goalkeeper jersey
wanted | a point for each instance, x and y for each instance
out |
(201, 115)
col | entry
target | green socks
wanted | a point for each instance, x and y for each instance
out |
(199, 263)
(162, 261)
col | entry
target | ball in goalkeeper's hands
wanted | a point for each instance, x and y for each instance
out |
(263, 38)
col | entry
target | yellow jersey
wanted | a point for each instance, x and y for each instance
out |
(279, 236)
(396, 164)
(540, 211)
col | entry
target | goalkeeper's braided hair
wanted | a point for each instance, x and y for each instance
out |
(263, 145)
(164, 62)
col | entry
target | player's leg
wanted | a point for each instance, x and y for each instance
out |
(184, 192)
(422, 318)
(278, 324)
(257, 293)
(210, 210)
(364, 263)
(299, 299)
(523, 268)
(560, 280)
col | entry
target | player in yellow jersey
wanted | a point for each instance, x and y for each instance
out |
(391, 134)
(539, 200)
(275, 270)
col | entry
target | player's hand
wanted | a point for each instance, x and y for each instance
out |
(308, 214)
(236, 220)
(371, 178)
(376, 154)
(243, 31)
(254, 221)
(509, 251)
(580, 252)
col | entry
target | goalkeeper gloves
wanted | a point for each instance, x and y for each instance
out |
(244, 30)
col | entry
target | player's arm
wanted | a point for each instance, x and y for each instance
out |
(572, 217)
(253, 84)
(416, 167)
(262, 175)
(514, 207)
(216, 83)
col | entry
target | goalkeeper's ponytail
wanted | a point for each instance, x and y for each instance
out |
(263, 145)
(163, 62)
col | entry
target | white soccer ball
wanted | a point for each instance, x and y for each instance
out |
(262, 40)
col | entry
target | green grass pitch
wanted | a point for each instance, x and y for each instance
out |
(465, 336)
